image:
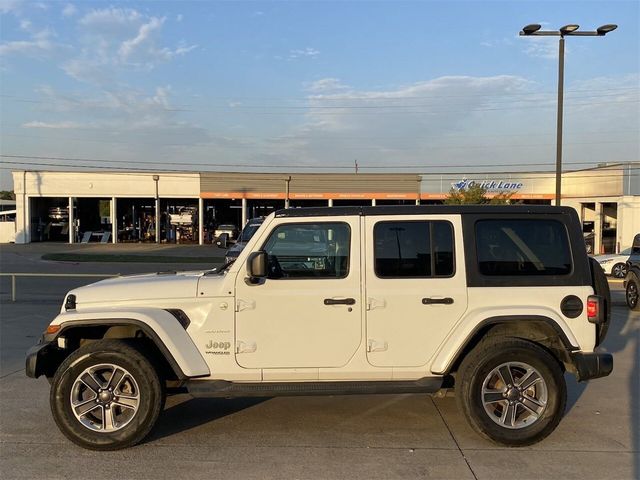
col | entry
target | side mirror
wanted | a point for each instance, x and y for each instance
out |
(257, 265)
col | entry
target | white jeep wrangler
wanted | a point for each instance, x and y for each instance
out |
(496, 302)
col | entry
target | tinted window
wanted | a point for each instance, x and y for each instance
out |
(248, 232)
(413, 249)
(522, 247)
(319, 250)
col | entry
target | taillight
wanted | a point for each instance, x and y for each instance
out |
(593, 309)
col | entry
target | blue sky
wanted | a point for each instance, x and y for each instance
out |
(275, 86)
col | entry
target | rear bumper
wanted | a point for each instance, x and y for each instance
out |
(592, 365)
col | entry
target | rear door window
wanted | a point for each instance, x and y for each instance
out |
(522, 247)
(413, 249)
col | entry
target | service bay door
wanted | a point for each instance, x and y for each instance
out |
(308, 312)
(415, 286)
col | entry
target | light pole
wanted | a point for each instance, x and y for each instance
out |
(568, 30)
(157, 222)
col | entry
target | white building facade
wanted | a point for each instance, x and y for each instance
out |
(121, 206)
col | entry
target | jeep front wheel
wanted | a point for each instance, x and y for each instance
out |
(511, 391)
(106, 396)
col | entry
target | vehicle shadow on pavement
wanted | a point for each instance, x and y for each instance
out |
(624, 332)
(195, 412)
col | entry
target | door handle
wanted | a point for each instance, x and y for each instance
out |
(341, 301)
(434, 301)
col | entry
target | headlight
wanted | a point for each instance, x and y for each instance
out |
(608, 260)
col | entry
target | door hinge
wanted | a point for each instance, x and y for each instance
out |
(246, 347)
(376, 346)
(373, 303)
(244, 305)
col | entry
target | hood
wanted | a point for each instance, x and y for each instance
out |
(152, 286)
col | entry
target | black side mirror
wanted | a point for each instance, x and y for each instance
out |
(257, 265)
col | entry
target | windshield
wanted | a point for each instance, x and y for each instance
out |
(248, 232)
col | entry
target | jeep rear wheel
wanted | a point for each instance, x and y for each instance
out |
(106, 396)
(511, 391)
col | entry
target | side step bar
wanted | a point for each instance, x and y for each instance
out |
(222, 388)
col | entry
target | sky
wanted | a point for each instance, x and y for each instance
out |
(422, 86)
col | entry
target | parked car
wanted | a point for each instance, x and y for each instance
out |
(249, 229)
(615, 264)
(632, 280)
(496, 302)
(228, 228)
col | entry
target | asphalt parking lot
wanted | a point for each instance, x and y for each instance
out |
(385, 436)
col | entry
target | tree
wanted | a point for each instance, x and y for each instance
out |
(475, 195)
(7, 195)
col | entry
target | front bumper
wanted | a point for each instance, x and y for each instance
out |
(592, 365)
(42, 359)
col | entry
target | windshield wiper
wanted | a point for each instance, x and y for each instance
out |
(220, 270)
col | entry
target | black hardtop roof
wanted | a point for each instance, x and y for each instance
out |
(423, 210)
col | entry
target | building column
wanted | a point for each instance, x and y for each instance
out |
(244, 213)
(597, 229)
(201, 221)
(330, 202)
(72, 221)
(373, 202)
(23, 219)
(114, 220)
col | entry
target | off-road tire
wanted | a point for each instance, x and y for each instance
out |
(124, 355)
(632, 293)
(481, 361)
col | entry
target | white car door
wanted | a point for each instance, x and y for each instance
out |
(415, 286)
(307, 312)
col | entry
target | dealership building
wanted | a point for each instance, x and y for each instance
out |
(112, 206)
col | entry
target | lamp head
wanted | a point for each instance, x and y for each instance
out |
(569, 29)
(604, 29)
(531, 29)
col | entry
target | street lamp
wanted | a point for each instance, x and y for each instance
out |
(157, 222)
(568, 30)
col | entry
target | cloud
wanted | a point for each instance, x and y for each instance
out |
(116, 40)
(542, 47)
(326, 85)
(305, 52)
(69, 10)
(55, 125)
(111, 19)
(179, 17)
(142, 39)
(11, 6)
(39, 44)
(407, 124)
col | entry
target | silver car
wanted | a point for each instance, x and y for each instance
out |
(615, 264)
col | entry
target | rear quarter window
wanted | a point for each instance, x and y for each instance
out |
(535, 247)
